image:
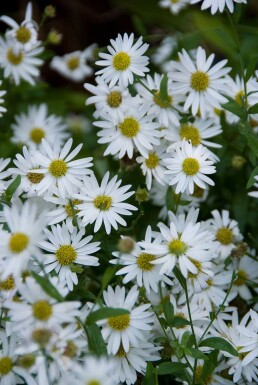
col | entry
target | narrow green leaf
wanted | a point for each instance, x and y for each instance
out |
(108, 276)
(226, 38)
(95, 340)
(47, 286)
(251, 179)
(164, 88)
(149, 378)
(179, 321)
(237, 13)
(253, 109)
(12, 188)
(210, 364)
(235, 108)
(170, 201)
(168, 311)
(220, 344)
(180, 277)
(105, 312)
(171, 368)
(250, 69)
(196, 353)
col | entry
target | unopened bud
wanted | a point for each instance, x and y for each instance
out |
(126, 245)
(50, 11)
(141, 195)
(238, 161)
(54, 37)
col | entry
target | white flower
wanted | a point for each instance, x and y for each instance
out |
(161, 109)
(78, 124)
(128, 329)
(104, 203)
(31, 127)
(124, 60)
(174, 6)
(133, 131)
(25, 35)
(226, 233)
(58, 168)
(2, 109)
(18, 64)
(247, 272)
(74, 65)
(165, 49)
(219, 5)
(190, 165)
(20, 244)
(64, 249)
(138, 265)
(37, 309)
(202, 83)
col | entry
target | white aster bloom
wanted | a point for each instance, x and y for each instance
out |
(78, 124)
(201, 83)
(247, 272)
(123, 60)
(58, 168)
(128, 329)
(25, 35)
(20, 243)
(175, 6)
(219, 5)
(226, 232)
(165, 49)
(161, 108)
(104, 203)
(31, 127)
(74, 65)
(138, 266)
(190, 165)
(18, 64)
(64, 249)
(133, 131)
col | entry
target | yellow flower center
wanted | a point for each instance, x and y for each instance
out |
(66, 254)
(121, 352)
(177, 247)
(103, 202)
(161, 102)
(129, 127)
(58, 168)
(198, 191)
(6, 365)
(42, 310)
(26, 361)
(190, 166)
(121, 61)
(200, 81)
(224, 235)
(191, 133)
(23, 35)
(7, 284)
(14, 58)
(41, 336)
(143, 261)
(35, 177)
(114, 99)
(18, 242)
(93, 382)
(70, 349)
(217, 111)
(37, 134)
(120, 322)
(174, 1)
(73, 62)
(242, 277)
(239, 97)
(152, 161)
(69, 210)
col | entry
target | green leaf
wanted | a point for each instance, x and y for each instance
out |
(12, 188)
(179, 321)
(108, 276)
(196, 353)
(210, 364)
(250, 69)
(220, 344)
(253, 109)
(105, 312)
(164, 88)
(95, 340)
(180, 277)
(237, 13)
(149, 378)
(168, 311)
(170, 201)
(251, 179)
(227, 38)
(47, 286)
(172, 368)
(235, 108)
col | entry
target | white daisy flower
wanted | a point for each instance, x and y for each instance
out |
(226, 232)
(190, 165)
(133, 131)
(3, 174)
(78, 124)
(25, 35)
(158, 194)
(219, 5)
(18, 64)
(165, 49)
(161, 109)
(138, 265)
(31, 127)
(20, 243)
(202, 83)
(64, 249)
(153, 166)
(74, 65)
(104, 203)
(2, 93)
(247, 272)
(175, 6)
(128, 329)
(58, 168)
(37, 309)
(123, 60)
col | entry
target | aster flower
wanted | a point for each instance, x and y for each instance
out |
(31, 127)
(247, 272)
(190, 165)
(219, 5)
(104, 203)
(123, 60)
(64, 249)
(58, 168)
(128, 329)
(174, 6)
(201, 83)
